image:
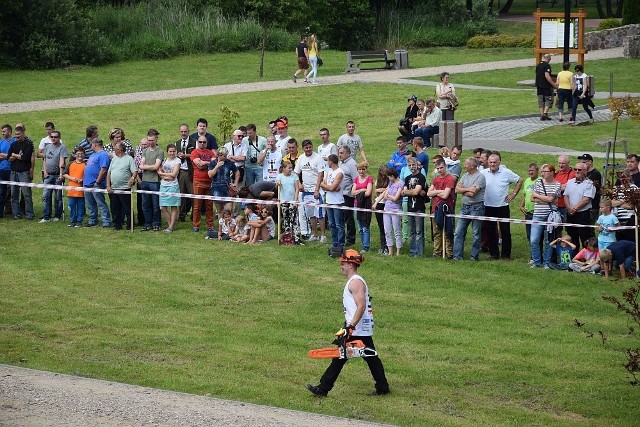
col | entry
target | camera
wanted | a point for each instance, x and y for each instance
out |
(253, 159)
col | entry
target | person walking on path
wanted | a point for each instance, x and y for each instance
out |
(544, 86)
(580, 87)
(313, 59)
(302, 53)
(359, 326)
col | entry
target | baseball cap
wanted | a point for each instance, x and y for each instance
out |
(353, 256)
(281, 123)
(585, 157)
(412, 98)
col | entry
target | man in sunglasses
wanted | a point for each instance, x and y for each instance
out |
(578, 196)
(200, 159)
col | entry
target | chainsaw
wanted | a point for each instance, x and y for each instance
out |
(345, 349)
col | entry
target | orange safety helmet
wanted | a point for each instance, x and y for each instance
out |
(353, 256)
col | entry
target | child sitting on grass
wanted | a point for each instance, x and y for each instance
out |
(227, 225)
(588, 259)
(564, 252)
(605, 221)
(242, 230)
(263, 228)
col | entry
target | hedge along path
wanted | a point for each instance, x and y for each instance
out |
(363, 77)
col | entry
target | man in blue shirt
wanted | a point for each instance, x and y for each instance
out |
(398, 160)
(5, 166)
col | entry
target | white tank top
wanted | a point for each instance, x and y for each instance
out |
(364, 328)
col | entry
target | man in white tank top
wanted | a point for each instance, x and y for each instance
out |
(359, 326)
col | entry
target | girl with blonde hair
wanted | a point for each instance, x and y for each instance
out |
(313, 59)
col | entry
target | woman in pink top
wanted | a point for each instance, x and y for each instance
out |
(361, 190)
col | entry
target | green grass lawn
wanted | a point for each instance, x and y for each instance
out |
(464, 344)
(488, 343)
(589, 138)
(623, 71)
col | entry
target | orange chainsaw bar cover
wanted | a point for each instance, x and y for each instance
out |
(334, 352)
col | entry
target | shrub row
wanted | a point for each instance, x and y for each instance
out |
(483, 41)
(608, 23)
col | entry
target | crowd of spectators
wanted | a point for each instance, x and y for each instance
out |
(328, 179)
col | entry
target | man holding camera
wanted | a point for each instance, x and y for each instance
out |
(255, 144)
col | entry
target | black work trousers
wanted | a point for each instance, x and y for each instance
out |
(375, 366)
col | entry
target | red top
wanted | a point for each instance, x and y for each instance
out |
(202, 175)
(563, 178)
(441, 183)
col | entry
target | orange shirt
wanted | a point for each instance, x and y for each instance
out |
(76, 170)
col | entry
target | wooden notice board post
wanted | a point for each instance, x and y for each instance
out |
(550, 34)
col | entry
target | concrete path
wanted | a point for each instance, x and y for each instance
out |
(500, 133)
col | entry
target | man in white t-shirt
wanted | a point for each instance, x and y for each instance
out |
(282, 135)
(270, 158)
(326, 147)
(496, 204)
(310, 169)
(238, 149)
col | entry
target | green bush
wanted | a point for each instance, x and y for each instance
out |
(54, 33)
(430, 25)
(608, 23)
(500, 40)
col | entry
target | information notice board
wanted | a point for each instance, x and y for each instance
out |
(550, 34)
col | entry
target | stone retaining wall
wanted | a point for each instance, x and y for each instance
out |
(607, 39)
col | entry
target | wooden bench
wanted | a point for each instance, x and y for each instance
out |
(358, 57)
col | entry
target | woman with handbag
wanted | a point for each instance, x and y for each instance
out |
(580, 88)
(313, 59)
(447, 99)
(545, 194)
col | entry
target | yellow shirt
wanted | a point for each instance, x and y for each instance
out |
(564, 79)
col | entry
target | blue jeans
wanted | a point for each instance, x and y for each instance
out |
(336, 223)
(426, 133)
(252, 175)
(15, 195)
(76, 209)
(537, 231)
(46, 198)
(365, 235)
(416, 235)
(95, 201)
(5, 175)
(314, 68)
(476, 209)
(151, 204)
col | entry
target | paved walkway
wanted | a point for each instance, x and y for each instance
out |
(501, 133)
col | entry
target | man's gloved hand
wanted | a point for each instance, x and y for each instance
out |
(345, 331)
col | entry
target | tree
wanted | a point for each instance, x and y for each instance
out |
(287, 13)
(631, 12)
(350, 25)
